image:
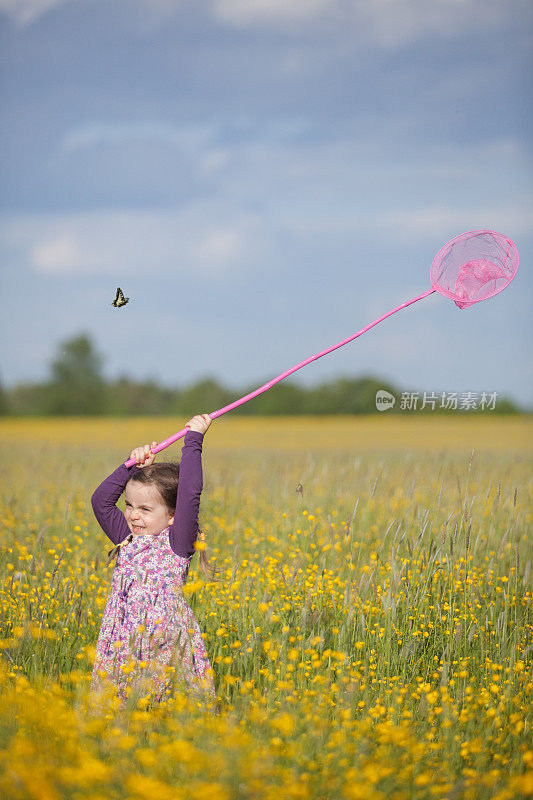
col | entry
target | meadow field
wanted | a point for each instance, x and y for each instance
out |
(371, 635)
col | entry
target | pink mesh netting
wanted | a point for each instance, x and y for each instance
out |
(474, 266)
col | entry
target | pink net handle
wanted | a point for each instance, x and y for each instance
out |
(214, 414)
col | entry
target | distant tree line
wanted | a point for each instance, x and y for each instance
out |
(77, 387)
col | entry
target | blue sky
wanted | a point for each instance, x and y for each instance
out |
(263, 178)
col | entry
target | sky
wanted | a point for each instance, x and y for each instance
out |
(263, 178)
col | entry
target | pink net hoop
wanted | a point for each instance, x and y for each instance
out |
(474, 266)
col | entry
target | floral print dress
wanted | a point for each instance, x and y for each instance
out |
(149, 636)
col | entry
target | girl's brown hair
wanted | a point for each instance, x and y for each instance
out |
(164, 477)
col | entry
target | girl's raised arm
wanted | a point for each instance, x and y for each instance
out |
(184, 529)
(110, 518)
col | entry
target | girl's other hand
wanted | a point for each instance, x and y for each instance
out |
(143, 455)
(199, 423)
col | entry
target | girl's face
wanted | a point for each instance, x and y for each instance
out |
(146, 514)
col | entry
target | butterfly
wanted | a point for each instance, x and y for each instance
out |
(300, 490)
(120, 300)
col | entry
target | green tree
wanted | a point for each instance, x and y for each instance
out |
(346, 396)
(4, 405)
(77, 385)
(283, 398)
(27, 399)
(204, 396)
(126, 397)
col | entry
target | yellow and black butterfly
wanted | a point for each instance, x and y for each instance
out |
(120, 300)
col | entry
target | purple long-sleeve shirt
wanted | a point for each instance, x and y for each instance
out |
(184, 529)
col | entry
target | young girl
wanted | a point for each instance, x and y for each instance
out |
(147, 626)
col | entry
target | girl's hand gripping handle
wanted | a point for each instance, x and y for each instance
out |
(200, 423)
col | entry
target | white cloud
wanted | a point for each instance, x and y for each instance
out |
(385, 22)
(426, 222)
(251, 12)
(218, 246)
(24, 12)
(195, 144)
(187, 138)
(184, 241)
(60, 254)
(396, 22)
(409, 230)
(423, 222)
(213, 161)
(304, 196)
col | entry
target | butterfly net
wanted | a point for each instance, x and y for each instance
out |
(474, 266)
